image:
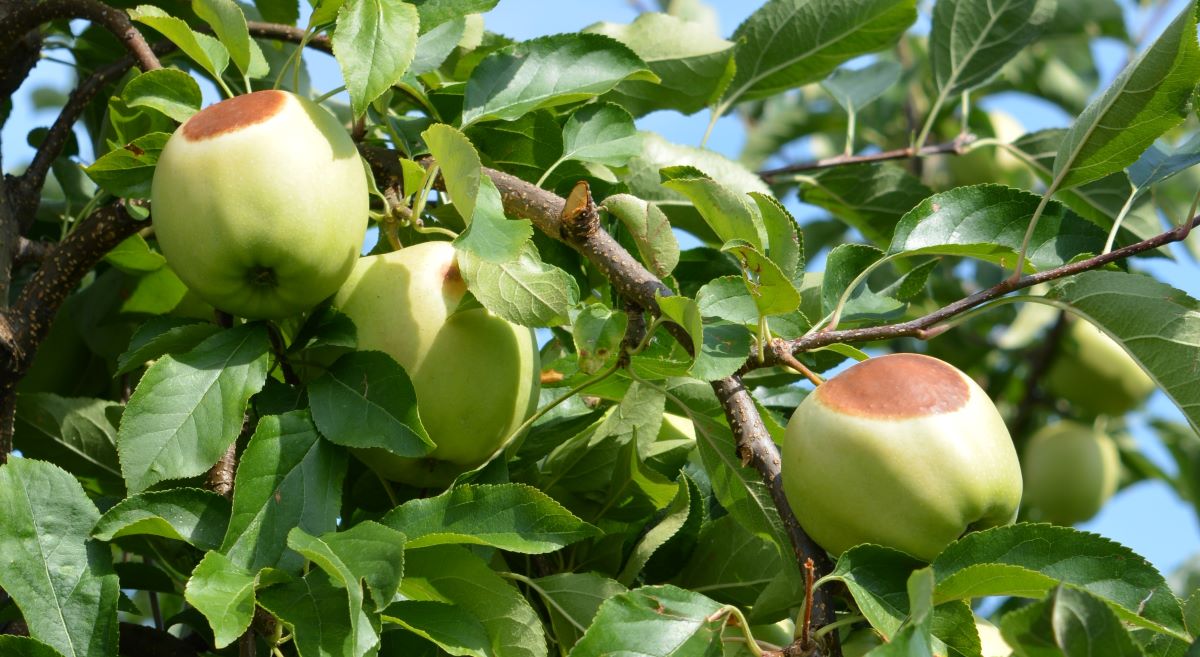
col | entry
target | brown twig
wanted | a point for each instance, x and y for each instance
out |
(115, 20)
(957, 147)
(780, 349)
(926, 326)
(290, 34)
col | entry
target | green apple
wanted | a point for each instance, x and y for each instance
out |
(259, 204)
(1095, 374)
(1071, 470)
(476, 375)
(902, 450)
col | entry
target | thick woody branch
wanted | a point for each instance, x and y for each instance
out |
(927, 326)
(114, 20)
(23, 326)
(757, 450)
(956, 147)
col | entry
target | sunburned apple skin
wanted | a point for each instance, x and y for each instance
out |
(476, 375)
(902, 450)
(259, 203)
(1071, 470)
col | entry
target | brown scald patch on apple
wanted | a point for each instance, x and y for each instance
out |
(234, 114)
(896, 386)
(452, 280)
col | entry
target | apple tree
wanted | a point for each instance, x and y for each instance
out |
(542, 410)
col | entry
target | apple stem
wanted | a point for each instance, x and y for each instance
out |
(806, 625)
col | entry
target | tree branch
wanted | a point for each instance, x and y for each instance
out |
(23, 327)
(114, 20)
(925, 327)
(290, 34)
(26, 191)
(956, 147)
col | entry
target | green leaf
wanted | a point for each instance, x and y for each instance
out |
(675, 516)
(650, 229)
(127, 171)
(367, 552)
(988, 222)
(854, 88)
(1099, 201)
(435, 45)
(772, 291)
(720, 348)
(869, 197)
(459, 162)
(512, 517)
(654, 621)
(692, 62)
(789, 43)
(876, 577)
(133, 256)
(729, 214)
(160, 336)
(491, 235)
(526, 147)
(1072, 623)
(524, 291)
(224, 593)
(187, 409)
(971, 41)
(229, 24)
(365, 399)
(1028, 560)
(75, 433)
(453, 629)
(573, 600)
(436, 12)
(1157, 324)
(1157, 164)
(784, 242)
(196, 516)
(728, 298)
(23, 646)
(167, 90)
(374, 43)
(547, 72)
(331, 554)
(62, 581)
(206, 51)
(316, 610)
(449, 573)
(730, 564)
(155, 293)
(285, 460)
(603, 133)
(1148, 98)
(598, 332)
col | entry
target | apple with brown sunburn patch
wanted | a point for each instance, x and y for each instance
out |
(259, 204)
(476, 375)
(902, 450)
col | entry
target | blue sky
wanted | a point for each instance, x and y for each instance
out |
(1147, 517)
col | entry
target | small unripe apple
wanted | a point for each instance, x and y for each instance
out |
(1071, 470)
(902, 450)
(476, 375)
(259, 204)
(1094, 373)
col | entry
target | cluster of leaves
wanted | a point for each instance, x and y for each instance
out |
(606, 528)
